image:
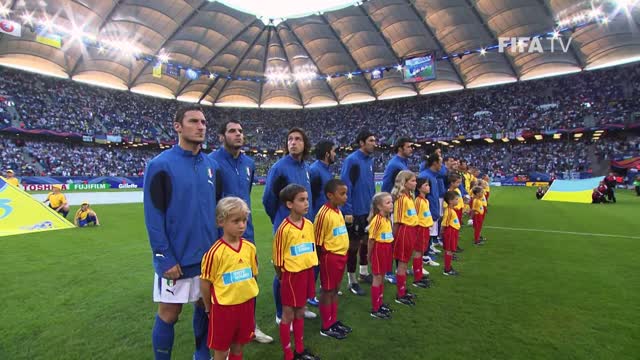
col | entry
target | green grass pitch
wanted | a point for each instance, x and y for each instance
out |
(86, 293)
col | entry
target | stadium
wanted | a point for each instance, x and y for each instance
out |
(125, 124)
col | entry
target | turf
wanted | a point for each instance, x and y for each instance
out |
(86, 293)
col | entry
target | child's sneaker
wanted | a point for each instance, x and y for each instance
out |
(450, 273)
(305, 355)
(420, 284)
(405, 300)
(380, 314)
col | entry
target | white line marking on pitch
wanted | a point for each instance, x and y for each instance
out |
(562, 232)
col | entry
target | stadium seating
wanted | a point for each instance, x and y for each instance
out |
(583, 100)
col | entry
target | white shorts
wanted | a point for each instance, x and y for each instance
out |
(181, 291)
(441, 201)
(433, 230)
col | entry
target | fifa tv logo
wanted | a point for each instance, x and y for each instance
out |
(522, 45)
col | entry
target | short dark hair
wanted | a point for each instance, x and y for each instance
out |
(363, 135)
(223, 127)
(449, 157)
(305, 138)
(433, 158)
(421, 181)
(477, 190)
(322, 148)
(184, 109)
(332, 186)
(463, 161)
(453, 178)
(290, 192)
(400, 143)
(450, 195)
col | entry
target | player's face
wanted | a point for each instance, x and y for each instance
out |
(300, 204)
(456, 184)
(339, 197)
(332, 155)
(411, 184)
(235, 224)
(193, 127)
(9, 175)
(369, 145)
(387, 205)
(454, 202)
(406, 150)
(234, 136)
(295, 143)
(425, 188)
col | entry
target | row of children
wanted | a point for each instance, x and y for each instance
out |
(229, 268)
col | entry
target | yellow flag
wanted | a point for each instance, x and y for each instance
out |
(20, 213)
(157, 70)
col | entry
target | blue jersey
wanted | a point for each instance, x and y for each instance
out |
(235, 178)
(180, 209)
(357, 173)
(434, 195)
(395, 165)
(284, 172)
(319, 174)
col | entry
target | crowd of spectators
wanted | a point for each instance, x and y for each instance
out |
(575, 101)
(498, 159)
(590, 98)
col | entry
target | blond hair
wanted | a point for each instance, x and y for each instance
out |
(401, 179)
(230, 205)
(376, 201)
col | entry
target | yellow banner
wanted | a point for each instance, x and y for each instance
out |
(50, 39)
(157, 71)
(20, 213)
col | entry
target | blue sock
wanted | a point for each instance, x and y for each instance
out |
(276, 297)
(162, 339)
(200, 331)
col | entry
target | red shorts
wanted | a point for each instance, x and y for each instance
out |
(450, 236)
(422, 239)
(381, 258)
(231, 324)
(405, 243)
(297, 287)
(331, 270)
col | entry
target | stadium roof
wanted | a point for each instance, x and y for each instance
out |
(214, 36)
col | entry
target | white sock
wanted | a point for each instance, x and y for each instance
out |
(352, 278)
(364, 269)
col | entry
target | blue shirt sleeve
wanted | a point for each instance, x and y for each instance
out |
(347, 209)
(157, 197)
(269, 198)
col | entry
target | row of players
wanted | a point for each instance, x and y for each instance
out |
(182, 187)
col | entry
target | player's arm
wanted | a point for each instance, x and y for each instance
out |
(96, 216)
(276, 181)
(158, 190)
(76, 218)
(278, 251)
(205, 290)
(349, 175)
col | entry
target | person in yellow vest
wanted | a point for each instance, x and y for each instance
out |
(57, 200)
(11, 178)
(85, 216)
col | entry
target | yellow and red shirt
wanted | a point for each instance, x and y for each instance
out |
(380, 229)
(450, 219)
(404, 211)
(294, 248)
(424, 214)
(231, 272)
(331, 230)
(478, 206)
